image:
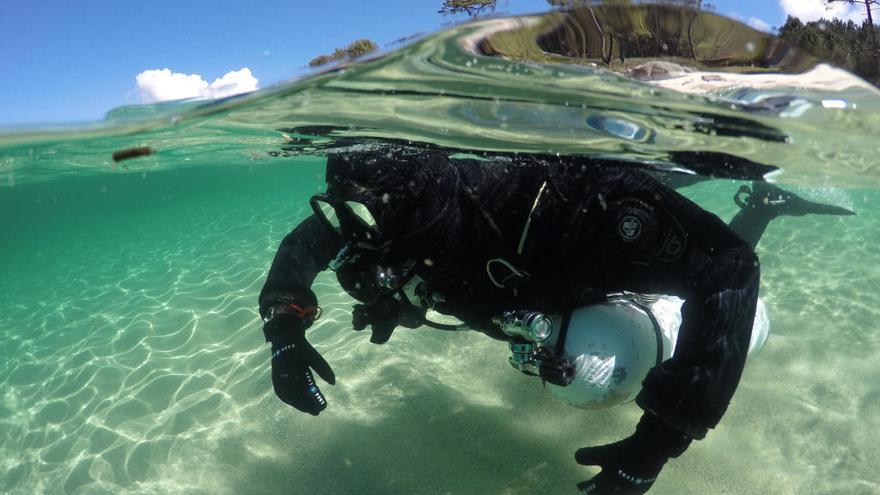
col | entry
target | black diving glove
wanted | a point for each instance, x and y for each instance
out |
(630, 466)
(293, 360)
(382, 316)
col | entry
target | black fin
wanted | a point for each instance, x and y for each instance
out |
(784, 203)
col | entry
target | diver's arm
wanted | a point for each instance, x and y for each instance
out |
(304, 252)
(652, 240)
(687, 394)
(691, 390)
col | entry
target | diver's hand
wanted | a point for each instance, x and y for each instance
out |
(293, 360)
(630, 466)
(382, 316)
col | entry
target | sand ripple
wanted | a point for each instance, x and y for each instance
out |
(134, 363)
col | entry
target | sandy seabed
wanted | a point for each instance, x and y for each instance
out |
(133, 362)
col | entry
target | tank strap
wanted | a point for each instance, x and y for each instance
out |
(657, 329)
(559, 349)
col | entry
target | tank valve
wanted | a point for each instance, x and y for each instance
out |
(522, 355)
(532, 326)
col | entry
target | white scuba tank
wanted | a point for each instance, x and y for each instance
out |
(614, 344)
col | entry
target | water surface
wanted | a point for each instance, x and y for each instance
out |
(132, 356)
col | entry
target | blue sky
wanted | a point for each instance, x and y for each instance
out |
(72, 60)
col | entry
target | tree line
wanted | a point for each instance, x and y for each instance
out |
(845, 43)
(355, 49)
(473, 8)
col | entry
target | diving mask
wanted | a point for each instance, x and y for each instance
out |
(352, 220)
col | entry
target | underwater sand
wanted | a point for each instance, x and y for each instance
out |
(133, 361)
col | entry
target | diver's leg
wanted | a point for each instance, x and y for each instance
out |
(764, 202)
(751, 220)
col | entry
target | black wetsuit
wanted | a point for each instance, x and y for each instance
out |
(578, 227)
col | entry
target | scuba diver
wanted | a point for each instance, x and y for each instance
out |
(537, 251)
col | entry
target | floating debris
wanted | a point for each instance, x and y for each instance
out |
(130, 153)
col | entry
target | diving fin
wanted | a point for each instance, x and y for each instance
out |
(771, 198)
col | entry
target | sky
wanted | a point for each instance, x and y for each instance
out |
(73, 60)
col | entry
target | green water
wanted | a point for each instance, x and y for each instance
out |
(131, 356)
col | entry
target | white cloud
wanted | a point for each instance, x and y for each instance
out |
(753, 22)
(233, 83)
(759, 24)
(163, 85)
(811, 10)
